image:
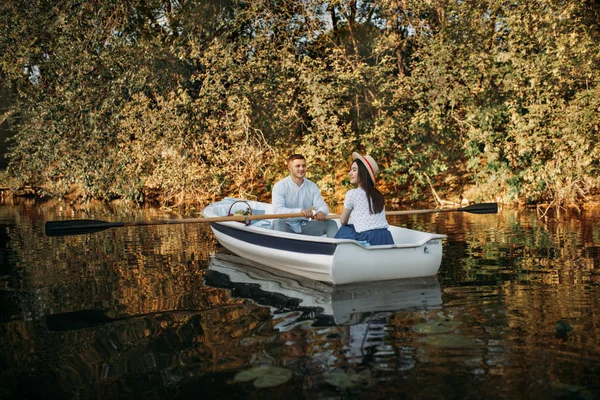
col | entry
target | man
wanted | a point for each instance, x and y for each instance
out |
(296, 194)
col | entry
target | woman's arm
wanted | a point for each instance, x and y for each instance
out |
(345, 216)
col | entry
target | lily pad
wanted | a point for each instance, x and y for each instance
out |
(571, 391)
(264, 377)
(437, 325)
(447, 340)
(347, 381)
(563, 327)
(250, 374)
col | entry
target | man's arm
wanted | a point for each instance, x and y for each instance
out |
(278, 200)
(318, 202)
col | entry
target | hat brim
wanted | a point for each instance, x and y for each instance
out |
(366, 163)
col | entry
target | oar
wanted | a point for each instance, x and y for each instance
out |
(83, 226)
(483, 208)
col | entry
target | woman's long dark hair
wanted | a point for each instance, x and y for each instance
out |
(376, 200)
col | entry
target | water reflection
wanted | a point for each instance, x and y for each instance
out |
(300, 306)
(147, 312)
(307, 299)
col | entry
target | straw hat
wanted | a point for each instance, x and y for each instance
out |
(369, 163)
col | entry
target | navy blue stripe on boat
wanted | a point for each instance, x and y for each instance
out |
(276, 242)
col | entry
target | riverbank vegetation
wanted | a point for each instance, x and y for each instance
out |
(189, 101)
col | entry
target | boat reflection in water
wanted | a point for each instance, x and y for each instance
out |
(328, 305)
(297, 303)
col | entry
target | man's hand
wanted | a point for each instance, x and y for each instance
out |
(320, 216)
(307, 213)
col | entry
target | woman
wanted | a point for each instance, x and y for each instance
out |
(365, 205)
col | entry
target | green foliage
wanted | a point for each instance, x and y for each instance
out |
(191, 101)
(541, 74)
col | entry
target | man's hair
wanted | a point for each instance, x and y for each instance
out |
(296, 157)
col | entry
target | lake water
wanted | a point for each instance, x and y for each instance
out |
(161, 312)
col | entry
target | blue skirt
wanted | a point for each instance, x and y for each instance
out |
(374, 237)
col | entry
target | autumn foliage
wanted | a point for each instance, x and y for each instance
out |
(189, 101)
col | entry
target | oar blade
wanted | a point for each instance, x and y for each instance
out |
(482, 208)
(77, 227)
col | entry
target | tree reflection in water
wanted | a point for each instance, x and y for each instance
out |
(144, 312)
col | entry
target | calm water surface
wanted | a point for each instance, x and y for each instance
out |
(159, 312)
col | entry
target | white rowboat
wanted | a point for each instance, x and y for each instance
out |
(335, 261)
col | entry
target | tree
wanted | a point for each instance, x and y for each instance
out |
(188, 101)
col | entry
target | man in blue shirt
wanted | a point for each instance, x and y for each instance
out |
(296, 194)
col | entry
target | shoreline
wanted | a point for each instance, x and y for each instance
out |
(29, 193)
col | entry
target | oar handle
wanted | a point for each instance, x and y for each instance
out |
(231, 218)
(235, 218)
